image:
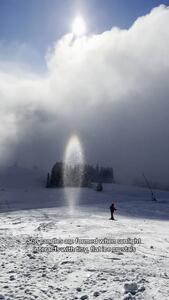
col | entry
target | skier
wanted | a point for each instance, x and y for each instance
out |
(112, 210)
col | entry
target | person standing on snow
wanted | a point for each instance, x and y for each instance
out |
(112, 210)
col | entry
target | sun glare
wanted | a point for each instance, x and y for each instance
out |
(79, 26)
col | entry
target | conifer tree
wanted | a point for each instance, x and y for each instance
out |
(48, 181)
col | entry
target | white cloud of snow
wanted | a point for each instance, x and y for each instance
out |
(111, 89)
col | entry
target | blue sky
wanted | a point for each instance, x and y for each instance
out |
(63, 93)
(39, 23)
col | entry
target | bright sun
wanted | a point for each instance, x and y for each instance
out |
(79, 26)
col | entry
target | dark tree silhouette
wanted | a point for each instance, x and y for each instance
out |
(48, 181)
(78, 175)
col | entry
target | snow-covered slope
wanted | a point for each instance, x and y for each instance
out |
(26, 273)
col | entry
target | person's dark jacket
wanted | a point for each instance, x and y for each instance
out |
(112, 207)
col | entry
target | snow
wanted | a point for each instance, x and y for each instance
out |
(30, 212)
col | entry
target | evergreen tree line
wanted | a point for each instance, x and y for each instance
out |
(78, 175)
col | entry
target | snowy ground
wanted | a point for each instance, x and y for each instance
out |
(33, 214)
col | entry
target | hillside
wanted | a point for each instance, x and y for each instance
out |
(37, 213)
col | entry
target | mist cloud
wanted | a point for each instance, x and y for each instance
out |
(110, 89)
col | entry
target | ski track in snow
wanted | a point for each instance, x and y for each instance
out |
(104, 276)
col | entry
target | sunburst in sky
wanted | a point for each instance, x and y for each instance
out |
(79, 26)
